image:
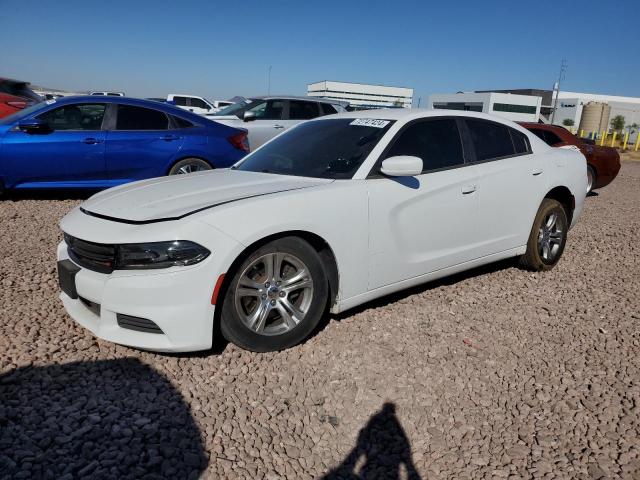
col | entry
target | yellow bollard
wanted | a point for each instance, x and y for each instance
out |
(637, 142)
(591, 136)
(626, 139)
(613, 138)
(603, 138)
(581, 133)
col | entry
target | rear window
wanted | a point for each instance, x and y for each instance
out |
(140, 118)
(520, 141)
(299, 110)
(182, 123)
(19, 89)
(491, 140)
(332, 149)
(328, 109)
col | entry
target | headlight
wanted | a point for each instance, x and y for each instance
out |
(159, 254)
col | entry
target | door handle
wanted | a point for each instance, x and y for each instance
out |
(468, 189)
(536, 172)
(91, 141)
(278, 126)
(169, 138)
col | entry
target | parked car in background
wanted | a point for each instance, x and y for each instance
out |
(199, 105)
(266, 117)
(333, 213)
(603, 163)
(90, 142)
(108, 94)
(15, 95)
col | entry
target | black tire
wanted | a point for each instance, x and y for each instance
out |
(591, 178)
(234, 328)
(191, 165)
(534, 258)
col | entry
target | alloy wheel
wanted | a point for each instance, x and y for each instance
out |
(274, 293)
(550, 237)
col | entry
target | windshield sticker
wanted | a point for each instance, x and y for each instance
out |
(370, 122)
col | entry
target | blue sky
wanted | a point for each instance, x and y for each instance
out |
(220, 49)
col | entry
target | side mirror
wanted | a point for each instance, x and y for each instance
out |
(249, 116)
(34, 125)
(402, 166)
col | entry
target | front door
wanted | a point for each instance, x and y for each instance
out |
(70, 153)
(425, 223)
(267, 123)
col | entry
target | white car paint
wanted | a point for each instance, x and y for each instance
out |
(386, 233)
(196, 104)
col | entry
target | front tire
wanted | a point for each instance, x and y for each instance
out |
(276, 297)
(548, 237)
(189, 165)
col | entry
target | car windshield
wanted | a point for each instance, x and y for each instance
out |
(332, 149)
(237, 109)
(20, 114)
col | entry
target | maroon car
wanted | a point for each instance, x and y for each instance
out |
(15, 95)
(603, 163)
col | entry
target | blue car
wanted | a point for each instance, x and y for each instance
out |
(91, 142)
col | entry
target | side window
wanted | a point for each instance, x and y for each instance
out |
(180, 101)
(551, 138)
(199, 103)
(328, 109)
(490, 140)
(86, 116)
(436, 142)
(139, 118)
(520, 141)
(269, 110)
(181, 122)
(538, 133)
(301, 110)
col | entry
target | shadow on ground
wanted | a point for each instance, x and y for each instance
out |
(49, 194)
(115, 419)
(382, 451)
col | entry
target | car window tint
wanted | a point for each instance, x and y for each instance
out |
(139, 118)
(300, 110)
(268, 110)
(86, 116)
(436, 142)
(520, 141)
(328, 109)
(199, 103)
(182, 123)
(551, 138)
(490, 139)
(538, 133)
(181, 101)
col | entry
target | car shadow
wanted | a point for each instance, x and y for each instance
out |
(425, 287)
(382, 450)
(592, 194)
(57, 194)
(98, 419)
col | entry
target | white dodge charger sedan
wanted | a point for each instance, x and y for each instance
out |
(331, 214)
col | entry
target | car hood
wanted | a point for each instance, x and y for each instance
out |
(172, 198)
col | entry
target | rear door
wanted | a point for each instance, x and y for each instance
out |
(70, 153)
(141, 143)
(510, 184)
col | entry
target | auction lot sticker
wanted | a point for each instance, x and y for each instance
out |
(370, 122)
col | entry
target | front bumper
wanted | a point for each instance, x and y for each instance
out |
(177, 300)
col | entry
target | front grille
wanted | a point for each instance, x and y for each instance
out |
(138, 324)
(92, 306)
(98, 257)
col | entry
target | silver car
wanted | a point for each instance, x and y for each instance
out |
(265, 117)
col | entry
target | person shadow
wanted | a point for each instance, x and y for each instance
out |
(108, 419)
(382, 451)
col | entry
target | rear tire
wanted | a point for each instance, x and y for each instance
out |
(276, 297)
(189, 165)
(548, 237)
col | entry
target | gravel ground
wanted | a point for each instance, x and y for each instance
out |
(498, 373)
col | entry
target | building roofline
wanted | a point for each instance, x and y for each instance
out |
(366, 84)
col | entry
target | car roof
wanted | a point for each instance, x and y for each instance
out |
(298, 97)
(165, 107)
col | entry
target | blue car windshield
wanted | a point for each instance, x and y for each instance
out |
(332, 149)
(20, 114)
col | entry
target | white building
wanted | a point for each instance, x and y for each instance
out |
(362, 96)
(519, 108)
(570, 105)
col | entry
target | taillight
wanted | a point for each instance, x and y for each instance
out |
(240, 141)
(17, 104)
